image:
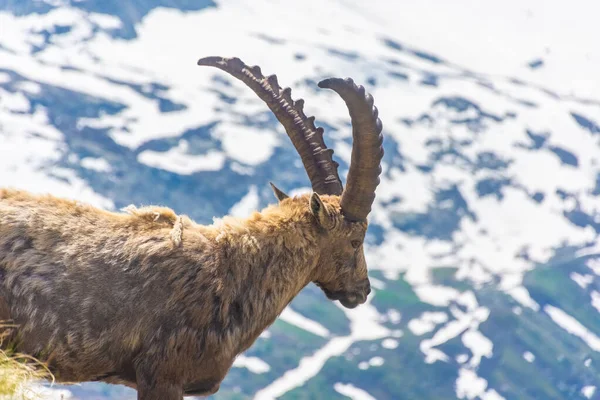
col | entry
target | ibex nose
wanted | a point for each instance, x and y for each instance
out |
(367, 288)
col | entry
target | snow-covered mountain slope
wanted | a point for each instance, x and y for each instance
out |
(483, 245)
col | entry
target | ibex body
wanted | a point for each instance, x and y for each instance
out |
(157, 302)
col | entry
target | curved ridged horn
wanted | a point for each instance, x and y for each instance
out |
(367, 149)
(306, 138)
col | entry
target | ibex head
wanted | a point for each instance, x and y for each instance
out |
(340, 213)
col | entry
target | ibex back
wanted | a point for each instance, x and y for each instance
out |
(159, 303)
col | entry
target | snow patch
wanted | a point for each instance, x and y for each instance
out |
(479, 345)
(462, 358)
(376, 362)
(96, 164)
(573, 326)
(352, 391)
(437, 295)
(253, 364)
(105, 21)
(4, 77)
(521, 294)
(434, 355)
(582, 280)
(247, 145)
(470, 386)
(594, 265)
(178, 161)
(529, 357)
(393, 315)
(427, 322)
(588, 391)
(247, 205)
(292, 317)
(595, 299)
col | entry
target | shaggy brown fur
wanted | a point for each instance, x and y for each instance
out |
(155, 301)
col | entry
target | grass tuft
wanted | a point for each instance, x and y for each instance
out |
(18, 373)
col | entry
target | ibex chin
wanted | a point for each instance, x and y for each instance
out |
(154, 301)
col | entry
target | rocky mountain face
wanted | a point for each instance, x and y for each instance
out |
(483, 244)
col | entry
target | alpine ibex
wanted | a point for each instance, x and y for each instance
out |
(161, 304)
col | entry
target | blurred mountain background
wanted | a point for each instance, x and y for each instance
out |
(483, 245)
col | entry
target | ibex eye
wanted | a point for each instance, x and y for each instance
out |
(356, 243)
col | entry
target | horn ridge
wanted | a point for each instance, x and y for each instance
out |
(367, 147)
(306, 138)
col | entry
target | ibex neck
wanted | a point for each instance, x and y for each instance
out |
(267, 260)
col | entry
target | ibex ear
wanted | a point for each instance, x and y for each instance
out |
(278, 193)
(317, 208)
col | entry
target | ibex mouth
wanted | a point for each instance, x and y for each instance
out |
(350, 303)
(347, 299)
